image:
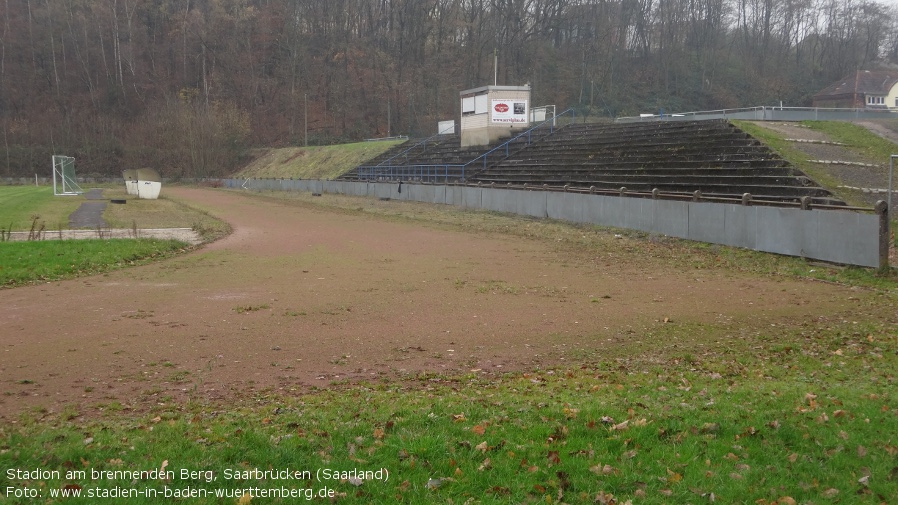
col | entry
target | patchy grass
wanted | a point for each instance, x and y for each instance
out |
(325, 162)
(857, 138)
(164, 212)
(50, 260)
(776, 416)
(22, 206)
(800, 160)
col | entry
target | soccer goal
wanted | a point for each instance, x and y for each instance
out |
(64, 176)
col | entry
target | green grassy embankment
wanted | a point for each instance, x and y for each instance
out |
(325, 162)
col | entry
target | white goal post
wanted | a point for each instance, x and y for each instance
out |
(64, 176)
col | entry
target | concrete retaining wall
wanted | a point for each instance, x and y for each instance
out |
(847, 237)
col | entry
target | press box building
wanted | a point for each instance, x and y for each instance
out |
(490, 113)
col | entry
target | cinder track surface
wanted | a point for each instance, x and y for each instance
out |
(303, 295)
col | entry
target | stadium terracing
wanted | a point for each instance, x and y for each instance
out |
(707, 159)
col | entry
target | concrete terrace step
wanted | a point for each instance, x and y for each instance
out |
(628, 180)
(707, 189)
(575, 164)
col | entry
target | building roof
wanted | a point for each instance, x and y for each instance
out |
(866, 82)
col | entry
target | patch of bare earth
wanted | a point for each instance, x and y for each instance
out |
(303, 295)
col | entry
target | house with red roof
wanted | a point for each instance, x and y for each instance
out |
(870, 89)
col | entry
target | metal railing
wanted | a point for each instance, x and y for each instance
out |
(770, 113)
(454, 171)
(506, 146)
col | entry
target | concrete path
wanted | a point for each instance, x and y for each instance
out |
(90, 214)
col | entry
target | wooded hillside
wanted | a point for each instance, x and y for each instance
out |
(185, 86)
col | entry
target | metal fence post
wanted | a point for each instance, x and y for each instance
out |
(882, 210)
(891, 175)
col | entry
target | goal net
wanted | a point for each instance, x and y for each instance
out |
(64, 176)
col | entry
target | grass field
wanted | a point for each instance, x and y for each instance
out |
(24, 206)
(49, 260)
(39, 261)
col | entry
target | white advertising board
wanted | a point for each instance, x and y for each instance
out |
(513, 111)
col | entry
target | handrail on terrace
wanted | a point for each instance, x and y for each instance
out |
(423, 142)
(433, 171)
(528, 133)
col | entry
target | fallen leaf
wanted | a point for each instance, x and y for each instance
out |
(553, 457)
(485, 465)
(830, 493)
(622, 426)
(482, 446)
(786, 500)
(379, 433)
(673, 477)
(245, 499)
(604, 498)
(793, 457)
(478, 429)
(459, 418)
(861, 451)
(710, 428)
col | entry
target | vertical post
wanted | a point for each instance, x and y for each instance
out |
(305, 131)
(891, 175)
(54, 175)
(882, 209)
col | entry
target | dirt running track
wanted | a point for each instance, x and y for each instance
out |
(302, 296)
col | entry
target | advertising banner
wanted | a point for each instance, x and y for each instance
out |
(513, 111)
